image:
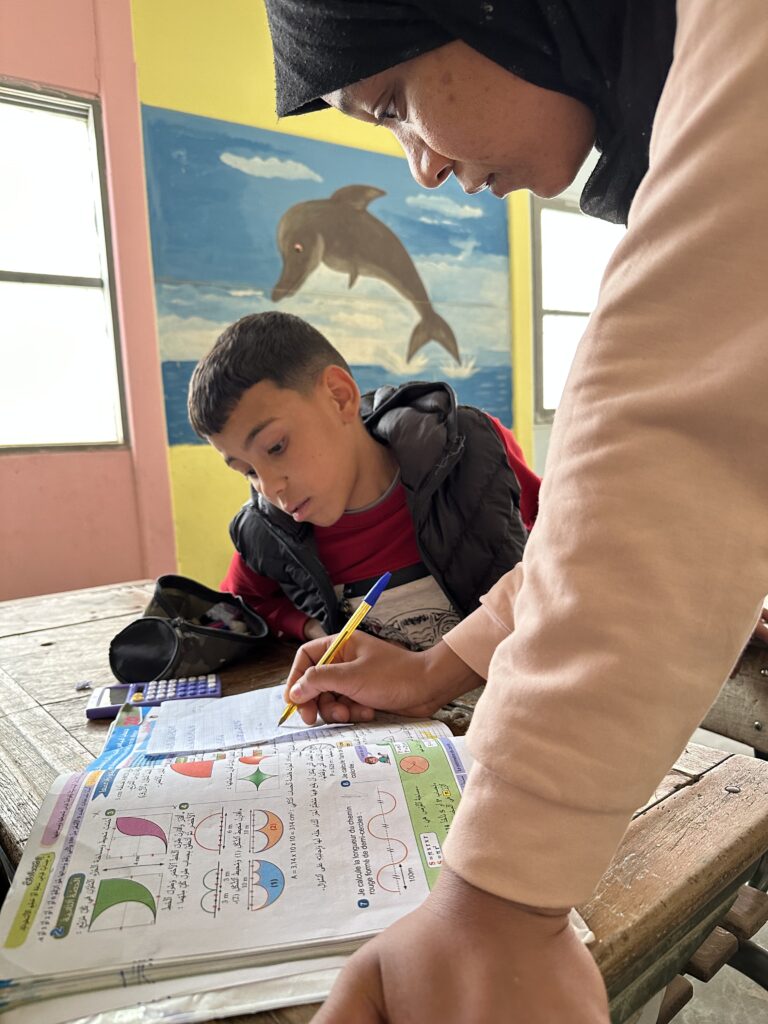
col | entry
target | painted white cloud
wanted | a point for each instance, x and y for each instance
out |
(271, 167)
(446, 206)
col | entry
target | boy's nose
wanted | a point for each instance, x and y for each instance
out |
(272, 486)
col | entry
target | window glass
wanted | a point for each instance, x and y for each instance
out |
(59, 382)
(574, 252)
(50, 199)
(560, 336)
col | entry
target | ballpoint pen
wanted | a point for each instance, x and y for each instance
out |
(354, 621)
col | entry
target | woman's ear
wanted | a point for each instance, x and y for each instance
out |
(344, 392)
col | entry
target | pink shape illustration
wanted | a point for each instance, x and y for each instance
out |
(141, 827)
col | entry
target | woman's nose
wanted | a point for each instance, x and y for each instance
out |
(428, 167)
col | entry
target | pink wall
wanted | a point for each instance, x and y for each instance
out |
(75, 519)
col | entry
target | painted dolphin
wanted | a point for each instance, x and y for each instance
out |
(340, 232)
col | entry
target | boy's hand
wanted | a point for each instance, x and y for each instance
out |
(369, 674)
(313, 630)
(469, 957)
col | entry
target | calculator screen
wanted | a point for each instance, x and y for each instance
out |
(117, 694)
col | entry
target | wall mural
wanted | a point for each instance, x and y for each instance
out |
(407, 284)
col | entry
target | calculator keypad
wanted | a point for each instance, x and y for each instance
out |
(158, 690)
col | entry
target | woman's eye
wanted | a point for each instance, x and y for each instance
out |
(276, 449)
(388, 114)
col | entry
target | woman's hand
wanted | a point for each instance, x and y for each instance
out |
(761, 629)
(469, 957)
(369, 674)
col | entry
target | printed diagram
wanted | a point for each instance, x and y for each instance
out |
(414, 764)
(125, 903)
(266, 883)
(263, 881)
(196, 769)
(390, 876)
(264, 830)
(259, 777)
(137, 839)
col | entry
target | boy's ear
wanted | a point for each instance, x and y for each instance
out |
(343, 390)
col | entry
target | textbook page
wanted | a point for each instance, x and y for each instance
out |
(188, 726)
(283, 852)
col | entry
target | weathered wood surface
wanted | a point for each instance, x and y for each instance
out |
(51, 610)
(714, 952)
(748, 914)
(741, 709)
(679, 993)
(674, 877)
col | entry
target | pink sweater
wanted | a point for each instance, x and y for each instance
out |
(644, 576)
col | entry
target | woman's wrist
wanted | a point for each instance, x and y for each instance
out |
(446, 676)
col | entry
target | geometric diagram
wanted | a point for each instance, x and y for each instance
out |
(390, 877)
(209, 831)
(257, 777)
(194, 769)
(253, 758)
(211, 899)
(414, 764)
(265, 884)
(132, 897)
(266, 830)
(141, 827)
(137, 839)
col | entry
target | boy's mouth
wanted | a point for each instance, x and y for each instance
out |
(299, 512)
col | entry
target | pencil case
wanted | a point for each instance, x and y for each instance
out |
(187, 630)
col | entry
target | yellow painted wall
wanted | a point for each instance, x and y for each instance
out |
(215, 60)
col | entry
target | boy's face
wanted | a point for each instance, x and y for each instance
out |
(297, 449)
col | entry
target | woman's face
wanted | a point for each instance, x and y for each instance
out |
(455, 111)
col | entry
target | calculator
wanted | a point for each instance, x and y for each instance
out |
(106, 701)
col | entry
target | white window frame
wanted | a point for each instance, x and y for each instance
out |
(89, 110)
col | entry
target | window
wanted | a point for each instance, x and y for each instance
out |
(59, 373)
(570, 253)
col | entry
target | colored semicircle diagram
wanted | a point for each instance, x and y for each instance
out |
(266, 883)
(267, 830)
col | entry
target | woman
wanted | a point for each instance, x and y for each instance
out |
(611, 639)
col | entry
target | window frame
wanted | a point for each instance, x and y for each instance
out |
(89, 109)
(541, 413)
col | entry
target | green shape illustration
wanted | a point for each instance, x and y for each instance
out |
(114, 891)
(257, 778)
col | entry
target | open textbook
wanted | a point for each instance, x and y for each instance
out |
(272, 860)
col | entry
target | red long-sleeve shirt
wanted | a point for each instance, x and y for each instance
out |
(362, 545)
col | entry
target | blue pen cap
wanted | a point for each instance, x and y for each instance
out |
(375, 592)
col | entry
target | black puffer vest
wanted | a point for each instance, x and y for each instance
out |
(463, 497)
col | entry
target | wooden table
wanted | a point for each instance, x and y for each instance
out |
(677, 872)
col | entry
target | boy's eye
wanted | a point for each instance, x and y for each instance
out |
(276, 449)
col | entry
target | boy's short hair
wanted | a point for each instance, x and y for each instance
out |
(264, 346)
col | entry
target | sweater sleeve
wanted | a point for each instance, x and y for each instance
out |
(645, 573)
(529, 482)
(266, 598)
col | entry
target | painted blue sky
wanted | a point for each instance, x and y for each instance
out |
(217, 191)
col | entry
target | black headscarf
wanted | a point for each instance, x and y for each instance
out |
(612, 55)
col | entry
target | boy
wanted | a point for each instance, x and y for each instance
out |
(346, 487)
